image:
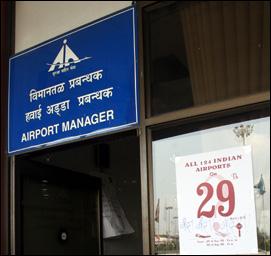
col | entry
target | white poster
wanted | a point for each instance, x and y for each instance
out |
(216, 209)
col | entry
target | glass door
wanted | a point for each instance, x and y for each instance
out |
(59, 211)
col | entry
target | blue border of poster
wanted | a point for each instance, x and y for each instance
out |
(79, 84)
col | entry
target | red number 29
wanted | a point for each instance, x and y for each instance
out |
(223, 187)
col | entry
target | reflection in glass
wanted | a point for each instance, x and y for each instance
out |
(164, 153)
(205, 51)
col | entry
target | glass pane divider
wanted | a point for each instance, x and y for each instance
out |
(206, 109)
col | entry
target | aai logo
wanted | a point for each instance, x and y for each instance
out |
(65, 60)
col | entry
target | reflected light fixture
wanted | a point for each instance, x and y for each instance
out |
(243, 131)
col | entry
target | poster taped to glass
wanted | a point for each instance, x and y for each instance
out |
(216, 207)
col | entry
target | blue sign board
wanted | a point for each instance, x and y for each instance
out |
(76, 85)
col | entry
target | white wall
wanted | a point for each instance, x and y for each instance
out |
(37, 21)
